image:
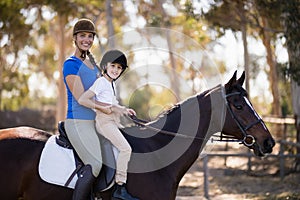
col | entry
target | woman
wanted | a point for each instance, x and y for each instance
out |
(114, 63)
(80, 72)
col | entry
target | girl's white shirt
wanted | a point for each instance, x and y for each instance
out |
(104, 91)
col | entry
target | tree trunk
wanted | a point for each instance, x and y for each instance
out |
(173, 75)
(273, 77)
(246, 55)
(296, 108)
(61, 105)
(110, 26)
(291, 24)
(1, 79)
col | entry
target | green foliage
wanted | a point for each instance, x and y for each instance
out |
(264, 17)
(291, 21)
(27, 36)
(20, 33)
(150, 101)
(12, 23)
(16, 87)
(271, 9)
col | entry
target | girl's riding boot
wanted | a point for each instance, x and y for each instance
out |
(121, 193)
(83, 186)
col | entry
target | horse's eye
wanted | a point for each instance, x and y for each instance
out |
(239, 107)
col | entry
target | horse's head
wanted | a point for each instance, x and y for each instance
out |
(242, 121)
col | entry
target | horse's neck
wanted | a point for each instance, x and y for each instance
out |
(168, 122)
(217, 112)
(199, 116)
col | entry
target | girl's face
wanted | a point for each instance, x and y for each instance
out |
(84, 40)
(114, 70)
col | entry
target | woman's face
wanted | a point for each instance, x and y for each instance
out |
(84, 40)
(114, 70)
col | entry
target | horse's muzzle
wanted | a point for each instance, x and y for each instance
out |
(269, 143)
(266, 147)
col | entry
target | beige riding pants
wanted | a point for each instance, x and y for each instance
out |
(107, 125)
(84, 138)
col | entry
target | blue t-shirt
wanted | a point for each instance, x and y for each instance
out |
(74, 66)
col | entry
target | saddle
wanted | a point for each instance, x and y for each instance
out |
(106, 177)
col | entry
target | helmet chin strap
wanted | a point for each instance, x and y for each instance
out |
(112, 84)
(83, 53)
(105, 72)
(114, 79)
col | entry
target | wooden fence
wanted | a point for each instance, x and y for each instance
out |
(284, 122)
(281, 157)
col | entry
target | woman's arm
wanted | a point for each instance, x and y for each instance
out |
(87, 100)
(75, 85)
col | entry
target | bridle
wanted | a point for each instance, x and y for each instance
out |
(222, 137)
(239, 124)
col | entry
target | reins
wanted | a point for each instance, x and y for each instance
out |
(222, 137)
(143, 123)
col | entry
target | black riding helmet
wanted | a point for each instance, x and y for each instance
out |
(84, 25)
(113, 56)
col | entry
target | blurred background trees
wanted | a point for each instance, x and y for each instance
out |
(36, 38)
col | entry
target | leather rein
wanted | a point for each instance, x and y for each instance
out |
(221, 136)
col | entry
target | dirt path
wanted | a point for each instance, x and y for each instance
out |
(234, 182)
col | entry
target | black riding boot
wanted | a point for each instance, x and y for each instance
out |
(83, 186)
(121, 193)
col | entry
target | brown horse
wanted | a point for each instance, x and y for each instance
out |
(163, 150)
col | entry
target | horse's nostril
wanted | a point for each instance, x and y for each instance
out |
(269, 144)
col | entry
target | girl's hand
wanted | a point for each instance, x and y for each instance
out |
(121, 110)
(107, 110)
(104, 109)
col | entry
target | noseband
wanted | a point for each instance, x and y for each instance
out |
(239, 124)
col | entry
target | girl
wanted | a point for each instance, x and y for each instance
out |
(108, 112)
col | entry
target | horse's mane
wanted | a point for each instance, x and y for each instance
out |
(177, 106)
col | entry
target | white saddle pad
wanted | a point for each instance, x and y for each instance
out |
(57, 164)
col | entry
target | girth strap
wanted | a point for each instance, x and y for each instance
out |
(73, 174)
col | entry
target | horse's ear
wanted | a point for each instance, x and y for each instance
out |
(231, 81)
(241, 79)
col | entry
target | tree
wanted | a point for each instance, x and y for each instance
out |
(24, 29)
(156, 16)
(15, 33)
(109, 23)
(64, 9)
(236, 20)
(291, 24)
(255, 18)
(268, 25)
(178, 16)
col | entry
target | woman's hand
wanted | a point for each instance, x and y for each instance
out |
(131, 112)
